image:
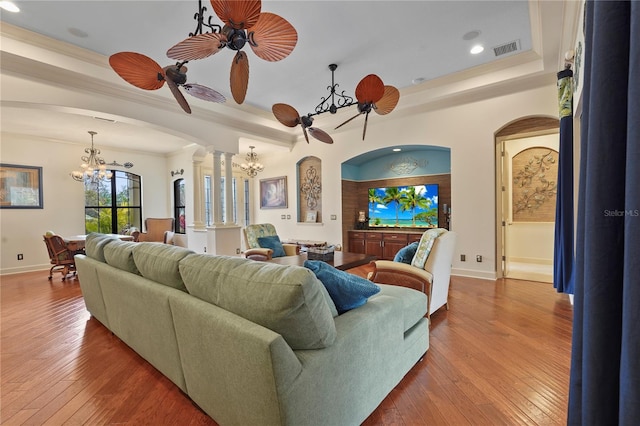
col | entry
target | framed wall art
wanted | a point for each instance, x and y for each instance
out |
(312, 216)
(20, 187)
(273, 193)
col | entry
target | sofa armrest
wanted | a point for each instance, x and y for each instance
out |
(291, 249)
(398, 273)
(262, 254)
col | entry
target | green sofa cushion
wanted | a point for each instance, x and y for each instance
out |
(286, 299)
(119, 254)
(159, 262)
(95, 243)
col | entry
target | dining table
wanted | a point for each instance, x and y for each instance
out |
(76, 242)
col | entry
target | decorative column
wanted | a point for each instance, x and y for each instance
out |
(216, 193)
(228, 188)
(198, 204)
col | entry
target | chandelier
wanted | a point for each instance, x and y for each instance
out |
(93, 167)
(252, 166)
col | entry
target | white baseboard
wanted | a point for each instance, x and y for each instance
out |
(474, 274)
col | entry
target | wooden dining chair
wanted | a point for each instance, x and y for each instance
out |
(60, 255)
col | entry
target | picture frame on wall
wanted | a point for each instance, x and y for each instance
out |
(312, 216)
(273, 193)
(20, 187)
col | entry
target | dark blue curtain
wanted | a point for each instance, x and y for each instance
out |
(563, 239)
(605, 364)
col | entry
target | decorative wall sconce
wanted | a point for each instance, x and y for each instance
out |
(177, 172)
(447, 214)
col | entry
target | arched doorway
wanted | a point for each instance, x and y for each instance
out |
(526, 174)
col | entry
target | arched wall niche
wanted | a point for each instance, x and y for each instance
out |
(412, 165)
(309, 189)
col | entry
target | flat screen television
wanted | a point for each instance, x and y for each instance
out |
(409, 206)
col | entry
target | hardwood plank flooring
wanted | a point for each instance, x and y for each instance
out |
(499, 356)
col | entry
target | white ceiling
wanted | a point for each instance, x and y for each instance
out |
(398, 40)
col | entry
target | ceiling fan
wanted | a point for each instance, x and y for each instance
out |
(145, 73)
(372, 94)
(270, 36)
(287, 115)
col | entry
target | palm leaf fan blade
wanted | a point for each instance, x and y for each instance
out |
(205, 93)
(238, 14)
(320, 134)
(138, 70)
(364, 130)
(286, 114)
(370, 89)
(197, 47)
(352, 118)
(273, 38)
(389, 100)
(179, 96)
(239, 76)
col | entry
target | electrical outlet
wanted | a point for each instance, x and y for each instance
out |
(463, 258)
(237, 251)
(334, 217)
(283, 216)
(20, 256)
(478, 258)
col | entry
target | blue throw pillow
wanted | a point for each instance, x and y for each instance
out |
(405, 254)
(347, 291)
(272, 242)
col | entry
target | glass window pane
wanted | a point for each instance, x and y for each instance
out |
(115, 205)
(207, 200)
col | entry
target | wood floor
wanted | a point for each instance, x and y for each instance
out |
(499, 356)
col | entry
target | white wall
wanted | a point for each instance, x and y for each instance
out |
(467, 129)
(63, 198)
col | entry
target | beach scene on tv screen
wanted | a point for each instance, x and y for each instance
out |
(404, 206)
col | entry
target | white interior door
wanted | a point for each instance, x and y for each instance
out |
(528, 206)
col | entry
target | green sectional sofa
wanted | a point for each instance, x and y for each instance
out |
(253, 343)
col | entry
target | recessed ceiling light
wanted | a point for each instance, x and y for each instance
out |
(476, 49)
(9, 6)
(397, 149)
(471, 35)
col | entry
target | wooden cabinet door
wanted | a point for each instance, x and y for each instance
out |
(391, 244)
(356, 242)
(373, 244)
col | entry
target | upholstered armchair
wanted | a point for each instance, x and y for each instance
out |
(155, 229)
(254, 250)
(433, 279)
(175, 239)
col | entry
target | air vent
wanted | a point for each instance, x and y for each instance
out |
(503, 49)
(105, 119)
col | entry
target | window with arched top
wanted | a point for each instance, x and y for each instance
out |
(113, 206)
